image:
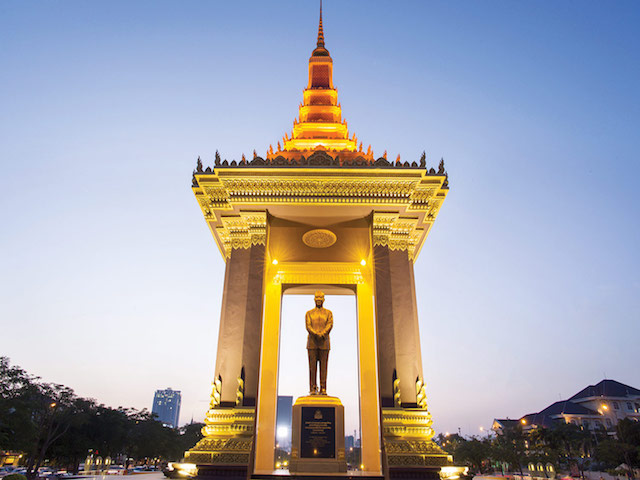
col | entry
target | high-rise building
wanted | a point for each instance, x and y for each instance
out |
(283, 421)
(166, 406)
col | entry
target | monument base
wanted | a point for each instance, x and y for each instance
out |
(224, 452)
(409, 448)
(318, 435)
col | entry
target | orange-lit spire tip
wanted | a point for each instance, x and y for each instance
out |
(320, 30)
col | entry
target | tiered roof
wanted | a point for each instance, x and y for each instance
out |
(606, 388)
(320, 136)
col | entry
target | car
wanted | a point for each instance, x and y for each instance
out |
(6, 470)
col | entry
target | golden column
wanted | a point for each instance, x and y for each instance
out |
(319, 210)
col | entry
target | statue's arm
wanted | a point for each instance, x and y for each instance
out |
(307, 321)
(329, 324)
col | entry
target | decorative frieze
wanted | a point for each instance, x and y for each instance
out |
(332, 273)
(242, 230)
(405, 202)
(397, 232)
(407, 422)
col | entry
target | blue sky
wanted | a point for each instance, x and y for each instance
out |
(528, 285)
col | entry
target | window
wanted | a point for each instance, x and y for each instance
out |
(629, 406)
(608, 422)
(585, 423)
(616, 405)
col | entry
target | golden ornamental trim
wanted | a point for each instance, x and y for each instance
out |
(343, 188)
(397, 232)
(242, 231)
(412, 423)
(225, 422)
(421, 394)
(338, 190)
(330, 273)
(225, 194)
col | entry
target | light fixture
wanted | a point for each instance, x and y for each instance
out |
(363, 262)
(275, 262)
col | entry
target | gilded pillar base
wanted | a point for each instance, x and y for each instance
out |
(408, 444)
(225, 450)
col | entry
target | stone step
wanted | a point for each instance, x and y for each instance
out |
(317, 476)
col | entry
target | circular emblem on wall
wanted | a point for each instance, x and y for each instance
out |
(319, 238)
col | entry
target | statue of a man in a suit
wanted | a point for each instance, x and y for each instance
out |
(319, 323)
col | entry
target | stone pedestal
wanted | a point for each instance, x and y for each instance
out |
(318, 435)
(409, 448)
(224, 452)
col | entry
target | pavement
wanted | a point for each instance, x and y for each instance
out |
(137, 476)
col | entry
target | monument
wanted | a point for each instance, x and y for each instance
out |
(319, 323)
(318, 420)
(319, 212)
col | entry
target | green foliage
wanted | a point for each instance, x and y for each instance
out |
(565, 446)
(475, 453)
(48, 421)
(14, 476)
(608, 453)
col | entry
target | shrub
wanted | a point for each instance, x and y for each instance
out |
(14, 476)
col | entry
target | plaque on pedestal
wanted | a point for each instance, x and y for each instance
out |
(318, 435)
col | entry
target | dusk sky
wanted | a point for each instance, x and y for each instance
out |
(528, 285)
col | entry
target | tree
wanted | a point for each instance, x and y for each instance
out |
(511, 447)
(53, 408)
(48, 421)
(474, 452)
(609, 453)
(628, 432)
(14, 409)
(72, 447)
(190, 435)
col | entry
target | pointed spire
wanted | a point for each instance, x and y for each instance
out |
(320, 30)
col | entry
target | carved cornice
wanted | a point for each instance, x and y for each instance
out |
(397, 232)
(405, 202)
(242, 230)
(412, 191)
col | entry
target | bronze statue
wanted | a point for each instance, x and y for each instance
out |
(319, 323)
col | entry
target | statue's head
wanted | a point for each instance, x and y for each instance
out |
(319, 298)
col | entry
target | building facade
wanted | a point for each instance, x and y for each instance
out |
(166, 406)
(599, 406)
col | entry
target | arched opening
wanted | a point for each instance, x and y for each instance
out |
(293, 370)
